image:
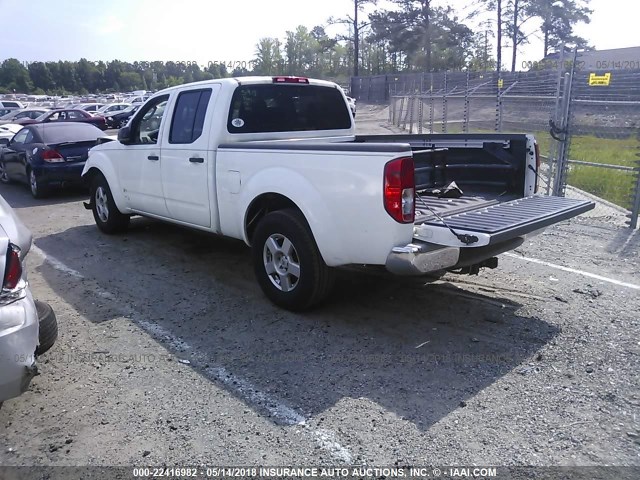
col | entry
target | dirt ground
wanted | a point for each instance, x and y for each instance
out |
(169, 354)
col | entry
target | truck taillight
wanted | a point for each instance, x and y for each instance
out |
(52, 156)
(12, 269)
(537, 150)
(285, 79)
(399, 189)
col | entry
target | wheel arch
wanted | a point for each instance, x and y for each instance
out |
(312, 209)
(262, 205)
(108, 174)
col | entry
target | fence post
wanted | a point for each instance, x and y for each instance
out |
(635, 205)
(420, 114)
(393, 105)
(401, 110)
(563, 164)
(551, 161)
(498, 124)
(465, 121)
(412, 102)
(444, 105)
(560, 165)
(431, 105)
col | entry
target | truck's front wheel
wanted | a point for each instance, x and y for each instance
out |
(287, 263)
(105, 212)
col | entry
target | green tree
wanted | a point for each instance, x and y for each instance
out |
(559, 17)
(130, 81)
(421, 37)
(300, 48)
(14, 76)
(356, 28)
(41, 76)
(268, 57)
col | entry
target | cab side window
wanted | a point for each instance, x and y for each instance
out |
(188, 116)
(146, 126)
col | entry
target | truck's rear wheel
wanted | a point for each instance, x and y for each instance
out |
(287, 263)
(105, 212)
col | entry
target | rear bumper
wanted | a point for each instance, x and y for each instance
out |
(60, 173)
(419, 258)
(18, 341)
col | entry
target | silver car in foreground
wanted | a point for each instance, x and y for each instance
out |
(27, 328)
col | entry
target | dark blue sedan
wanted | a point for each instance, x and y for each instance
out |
(46, 155)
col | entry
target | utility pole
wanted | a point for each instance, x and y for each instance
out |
(356, 39)
(485, 57)
(499, 36)
(515, 35)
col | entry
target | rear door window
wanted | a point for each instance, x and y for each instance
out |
(287, 108)
(189, 115)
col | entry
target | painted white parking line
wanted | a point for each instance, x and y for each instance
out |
(284, 414)
(55, 263)
(573, 270)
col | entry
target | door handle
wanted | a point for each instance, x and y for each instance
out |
(196, 160)
(154, 158)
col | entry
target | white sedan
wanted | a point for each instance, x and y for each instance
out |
(27, 328)
(9, 130)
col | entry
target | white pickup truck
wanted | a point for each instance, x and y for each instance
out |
(275, 161)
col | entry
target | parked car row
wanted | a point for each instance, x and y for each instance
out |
(17, 114)
(121, 118)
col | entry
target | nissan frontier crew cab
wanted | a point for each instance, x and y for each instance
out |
(275, 161)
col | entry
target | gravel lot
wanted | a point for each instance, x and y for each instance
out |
(169, 354)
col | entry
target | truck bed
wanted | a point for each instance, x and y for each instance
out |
(496, 205)
(426, 205)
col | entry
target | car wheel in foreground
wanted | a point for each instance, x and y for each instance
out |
(105, 212)
(38, 190)
(48, 327)
(287, 263)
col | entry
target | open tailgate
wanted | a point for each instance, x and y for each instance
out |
(500, 222)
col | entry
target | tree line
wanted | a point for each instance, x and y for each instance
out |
(413, 35)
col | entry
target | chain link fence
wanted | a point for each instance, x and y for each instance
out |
(603, 140)
(586, 123)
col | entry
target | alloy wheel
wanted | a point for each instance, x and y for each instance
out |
(281, 262)
(102, 206)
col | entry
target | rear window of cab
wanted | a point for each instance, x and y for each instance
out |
(287, 108)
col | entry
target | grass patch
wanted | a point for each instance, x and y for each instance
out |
(615, 186)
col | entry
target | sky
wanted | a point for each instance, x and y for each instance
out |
(204, 31)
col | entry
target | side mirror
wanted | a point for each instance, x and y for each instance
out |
(124, 135)
(4, 142)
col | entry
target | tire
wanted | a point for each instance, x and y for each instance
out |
(123, 123)
(287, 262)
(4, 178)
(37, 189)
(105, 212)
(48, 327)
